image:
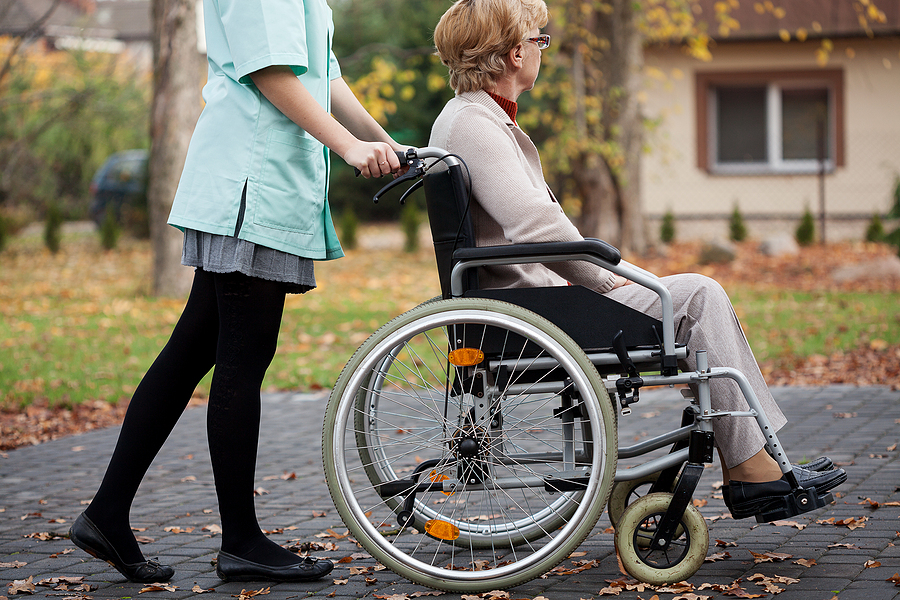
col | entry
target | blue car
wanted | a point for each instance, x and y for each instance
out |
(120, 182)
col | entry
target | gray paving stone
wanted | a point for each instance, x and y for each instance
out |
(55, 478)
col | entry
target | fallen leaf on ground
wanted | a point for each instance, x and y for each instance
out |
(12, 565)
(51, 581)
(717, 556)
(769, 556)
(391, 596)
(158, 587)
(871, 564)
(610, 590)
(805, 562)
(895, 579)
(799, 526)
(681, 587)
(724, 544)
(20, 586)
(44, 536)
(199, 590)
(175, 529)
(249, 594)
(331, 533)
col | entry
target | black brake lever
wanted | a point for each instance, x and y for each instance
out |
(410, 190)
(416, 170)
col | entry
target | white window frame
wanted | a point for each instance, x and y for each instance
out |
(776, 164)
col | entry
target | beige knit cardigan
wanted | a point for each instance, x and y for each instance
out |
(513, 204)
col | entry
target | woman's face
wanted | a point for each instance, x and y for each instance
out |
(531, 61)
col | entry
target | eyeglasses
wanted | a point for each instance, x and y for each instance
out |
(542, 41)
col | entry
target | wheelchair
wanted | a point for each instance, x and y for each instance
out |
(470, 444)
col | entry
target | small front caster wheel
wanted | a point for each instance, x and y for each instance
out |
(625, 492)
(678, 560)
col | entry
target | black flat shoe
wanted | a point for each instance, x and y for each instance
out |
(750, 499)
(823, 463)
(86, 536)
(233, 568)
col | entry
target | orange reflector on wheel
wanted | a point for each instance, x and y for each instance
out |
(442, 530)
(466, 357)
(437, 477)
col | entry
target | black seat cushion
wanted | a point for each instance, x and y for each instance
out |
(589, 318)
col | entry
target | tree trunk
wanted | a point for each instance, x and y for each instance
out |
(593, 181)
(175, 108)
(621, 68)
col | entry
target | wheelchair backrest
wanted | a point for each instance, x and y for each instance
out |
(451, 222)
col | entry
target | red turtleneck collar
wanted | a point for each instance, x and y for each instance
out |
(508, 106)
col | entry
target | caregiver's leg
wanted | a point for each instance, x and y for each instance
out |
(705, 320)
(250, 311)
(157, 403)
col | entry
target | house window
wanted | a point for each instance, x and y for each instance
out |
(769, 123)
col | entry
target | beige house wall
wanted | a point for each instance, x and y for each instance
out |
(672, 180)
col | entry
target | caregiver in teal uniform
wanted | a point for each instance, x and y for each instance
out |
(253, 205)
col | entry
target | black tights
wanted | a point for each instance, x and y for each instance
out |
(231, 321)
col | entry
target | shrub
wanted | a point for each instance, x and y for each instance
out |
(737, 230)
(806, 230)
(875, 231)
(410, 219)
(109, 229)
(349, 224)
(53, 227)
(667, 228)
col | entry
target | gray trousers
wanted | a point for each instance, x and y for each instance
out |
(705, 320)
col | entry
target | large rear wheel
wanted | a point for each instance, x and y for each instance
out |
(469, 445)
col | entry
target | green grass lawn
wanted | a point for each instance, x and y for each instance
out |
(781, 324)
(80, 326)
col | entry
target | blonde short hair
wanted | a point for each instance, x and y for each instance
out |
(474, 37)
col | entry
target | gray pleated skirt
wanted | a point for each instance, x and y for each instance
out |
(223, 254)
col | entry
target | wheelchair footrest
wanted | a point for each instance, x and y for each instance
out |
(793, 504)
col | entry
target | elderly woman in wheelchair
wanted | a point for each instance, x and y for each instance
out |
(470, 444)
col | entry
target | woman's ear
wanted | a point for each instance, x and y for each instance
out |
(516, 56)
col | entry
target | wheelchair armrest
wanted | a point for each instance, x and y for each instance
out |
(589, 246)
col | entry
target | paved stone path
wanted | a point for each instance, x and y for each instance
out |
(43, 488)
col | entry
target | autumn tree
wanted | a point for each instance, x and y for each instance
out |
(175, 108)
(62, 112)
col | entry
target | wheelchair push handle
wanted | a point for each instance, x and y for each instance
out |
(401, 154)
(414, 158)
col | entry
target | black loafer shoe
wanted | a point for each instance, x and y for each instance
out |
(749, 499)
(86, 536)
(823, 463)
(233, 568)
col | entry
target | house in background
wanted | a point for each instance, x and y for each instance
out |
(771, 127)
(113, 26)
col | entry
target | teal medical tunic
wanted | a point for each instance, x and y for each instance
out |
(242, 138)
